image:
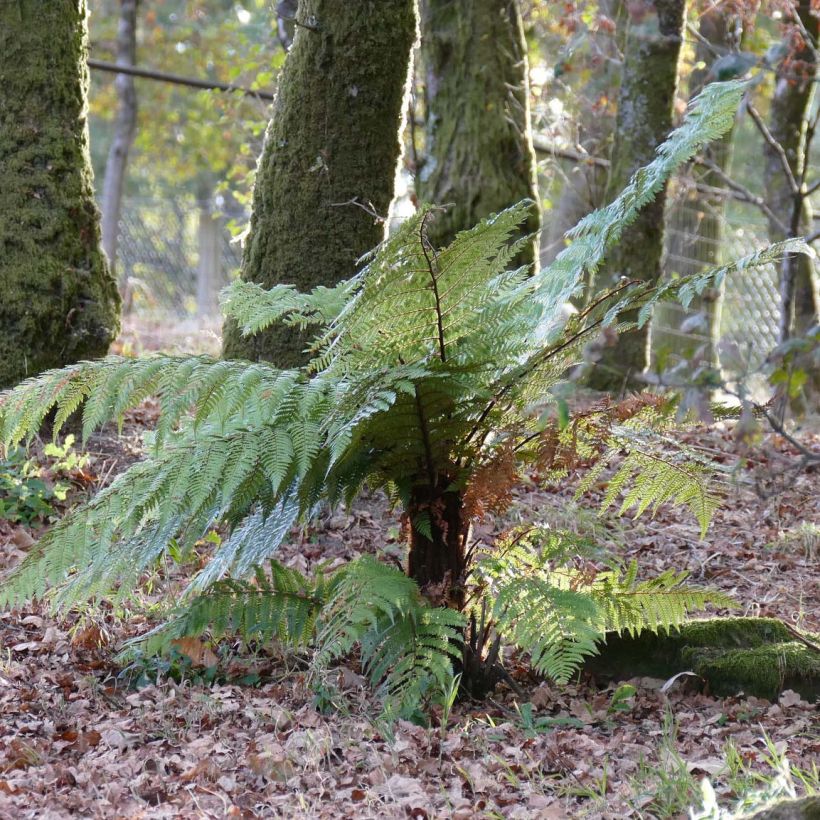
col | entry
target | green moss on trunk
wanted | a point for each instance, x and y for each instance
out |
(644, 120)
(758, 656)
(59, 302)
(330, 156)
(479, 154)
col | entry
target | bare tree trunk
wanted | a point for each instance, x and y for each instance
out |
(325, 180)
(125, 129)
(479, 158)
(698, 212)
(584, 187)
(58, 300)
(209, 265)
(644, 120)
(790, 107)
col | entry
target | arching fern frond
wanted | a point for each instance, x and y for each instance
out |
(255, 308)
(282, 605)
(407, 646)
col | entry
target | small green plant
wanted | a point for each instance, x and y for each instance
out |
(621, 699)
(430, 377)
(665, 788)
(755, 789)
(29, 489)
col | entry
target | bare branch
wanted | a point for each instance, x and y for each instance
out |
(775, 146)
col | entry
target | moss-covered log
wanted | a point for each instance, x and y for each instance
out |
(643, 122)
(328, 167)
(758, 656)
(805, 808)
(58, 301)
(479, 157)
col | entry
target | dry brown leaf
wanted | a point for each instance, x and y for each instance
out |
(199, 653)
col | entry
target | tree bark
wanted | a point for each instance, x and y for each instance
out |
(437, 558)
(125, 129)
(59, 301)
(799, 300)
(479, 155)
(644, 120)
(325, 179)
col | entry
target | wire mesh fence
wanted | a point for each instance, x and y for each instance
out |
(697, 236)
(175, 256)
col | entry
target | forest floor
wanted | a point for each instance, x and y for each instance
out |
(240, 736)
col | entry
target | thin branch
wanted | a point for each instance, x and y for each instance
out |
(775, 146)
(544, 146)
(176, 79)
(744, 193)
(366, 207)
(800, 636)
(425, 244)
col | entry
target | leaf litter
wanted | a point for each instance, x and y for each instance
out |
(76, 741)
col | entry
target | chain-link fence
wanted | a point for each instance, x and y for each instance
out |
(174, 257)
(698, 235)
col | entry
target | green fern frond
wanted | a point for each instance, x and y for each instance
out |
(256, 308)
(230, 392)
(283, 605)
(407, 646)
(660, 603)
(649, 479)
(687, 288)
(559, 613)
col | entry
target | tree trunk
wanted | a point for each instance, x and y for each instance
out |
(799, 302)
(644, 120)
(479, 155)
(326, 176)
(209, 264)
(698, 217)
(125, 129)
(437, 557)
(584, 187)
(59, 301)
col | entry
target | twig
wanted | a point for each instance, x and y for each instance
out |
(800, 637)
(175, 79)
(366, 207)
(775, 146)
(744, 192)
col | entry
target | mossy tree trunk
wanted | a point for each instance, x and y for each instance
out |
(58, 300)
(479, 157)
(326, 176)
(799, 301)
(758, 656)
(644, 120)
(699, 212)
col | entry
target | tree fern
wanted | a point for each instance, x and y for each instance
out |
(425, 367)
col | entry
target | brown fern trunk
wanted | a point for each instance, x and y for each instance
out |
(437, 563)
